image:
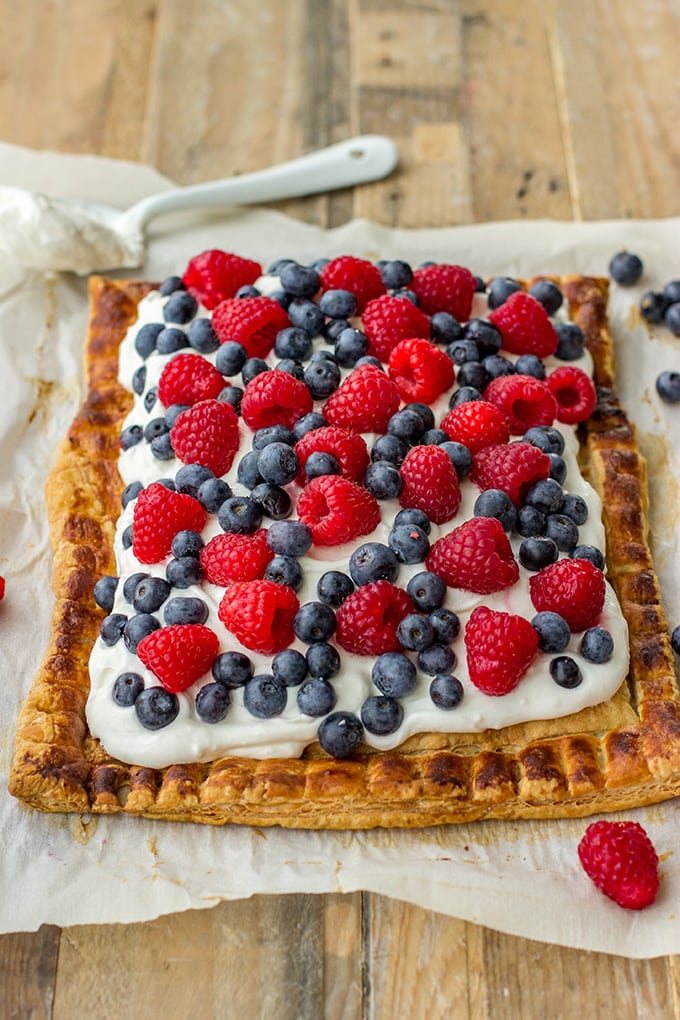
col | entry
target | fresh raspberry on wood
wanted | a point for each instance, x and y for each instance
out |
(180, 654)
(525, 326)
(524, 400)
(388, 320)
(274, 398)
(445, 288)
(364, 402)
(348, 448)
(420, 370)
(359, 276)
(232, 557)
(336, 510)
(500, 648)
(260, 614)
(215, 275)
(476, 556)
(252, 322)
(188, 378)
(621, 860)
(511, 467)
(574, 394)
(368, 618)
(573, 588)
(207, 434)
(476, 424)
(159, 514)
(430, 483)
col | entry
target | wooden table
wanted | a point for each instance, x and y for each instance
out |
(544, 108)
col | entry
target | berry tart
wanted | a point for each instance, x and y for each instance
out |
(350, 544)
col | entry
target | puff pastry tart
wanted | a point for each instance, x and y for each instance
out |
(350, 545)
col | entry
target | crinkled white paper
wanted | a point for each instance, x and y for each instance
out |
(524, 877)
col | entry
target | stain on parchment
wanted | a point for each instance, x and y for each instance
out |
(83, 828)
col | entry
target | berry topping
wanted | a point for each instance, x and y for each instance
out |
(364, 402)
(340, 734)
(179, 655)
(573, 588)
(625, 268)
(500, 648)
(525, 401)
(574, 393)
(346, 447)
(444, 288)
(476, 424)
(207, 434)
(253, 323)
(368, 618)
(388, 320)
(525, 326)
(620, 859)
(187, 379)
(511, 467)
(155, 708)
(231, 557)
(420, 370)
(337, 510)
(476, 556)
(274, 398)
(668, 386)
(215, 275)
(260, 614)
(159, 513)
(359, 276)
(430, 483)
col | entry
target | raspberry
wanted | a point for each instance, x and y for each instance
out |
(420, 370)
(511, 467)
(524, 400)
(364, 402)
(231, 557)
(369, 617)
(573, 588)
(476, 556)
(387, 320)
(252, 322)
(444, 288)
(260, 614)
(574, 393)
(274, 398)
(430, 483)
(348, 448)
(159, 513)
(336, 510)
(2, 588)
(188, 378)
(620, 859)
(207, 434)
(215, 275)
(500, 648)
(476, 424)
(180, 654)
(525, 326)
(359, 276)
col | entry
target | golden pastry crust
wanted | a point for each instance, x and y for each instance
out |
(622, 754)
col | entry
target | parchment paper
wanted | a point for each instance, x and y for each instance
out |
(522, 878)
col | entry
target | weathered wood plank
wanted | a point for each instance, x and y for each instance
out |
(28, 965)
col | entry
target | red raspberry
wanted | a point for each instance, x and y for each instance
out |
(574, 393)
(274, 398)
(525, 401)
(525, 326)
(369, 617)
(215, 275)
(476, 424)
(500, 648)
(444, 288)
(231, 557)
(348, 448)
(430, 483)
(2, 588)
(336, 510)
(621, 860)
(180, 654)
(420, 370)
(158, 515)
(260, 614)
(253, 322)
(574, 588)
(207, 434)
(364, 402)
(387, 320)
(512, 467)
(188, 378)
(476, 556)
(359, 276)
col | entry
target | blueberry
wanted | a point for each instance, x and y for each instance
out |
(240, 514)
(126, 689)
(323, 659)
(272, 500)
(139, 380)
(562, 530)
(145, 341)
(289, 538)
(473, 373)
(351, 345)
(653, 307)
(411, 515)
(156, 708)
(394, 674)
(575, 506)
(445, 624)
(549, 295)
(150, 594)
(671, 319)
(321, 377)
(232, 395)
(558, 468)
(446, 691)
(590, 553)
(546, 438)
(293, 343)
(434, 437)
(233, 669)
(150, 398)
(292, 367)
(131, 583)
(212, 703)
(424, 412)
(445, 328)
(130, 492)
(570, 341)
(289, 667)
(248, 472)
(138, 627)
(545, 495)
(171, 340)
(381, 715)
(285, 570)
(675, 640)
(308, 423)
(437, 658)
(230, 358)
(264, 696)
(427, 590)
(212, 493)
(183, 571)
(247, 291)
(111, 629)
(338, 304)
(130, 436)
(278, 464)
(126, 537)
(275, 268)
(597, 645)
(319, 264)
(530, 522)
(333, 587)
(406, 425)
(537, 552)
(170, 284)
(407, 295)
(155, 427)
(409, 543)
(190, 477)
(181, 306)
(300, 281)
(306, 315)
(340, 734)
(529, 364)
(162, 448)
(105, 592)
(415, 632)
(383, 480)
(463, 350)
(500, 289)
(625, 268)
(395, 273)
(314, 621)
(460, 456)
(373, 561)
(253, 367)
(464, 395)
(480, 285)
(565, 672)
(316, 697)
(668, 386)
(389, 448)
(553, 631)
(333, 328)
(202, 337)
(496, 366)
(319, 463)
(185, 610)
(671, 291)
(496, 503)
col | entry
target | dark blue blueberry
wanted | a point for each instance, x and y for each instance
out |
(427, 590)
(308, 423)
(668, 386)
(389, 448)
(291, 367)
(537, 552)
(306, 315)
(338, 304)
(333, 328)
(496, 365)
(150, 398)
(381, 715)
(563, 532)
(171, 340)
(170, 284)
(460, 456)
(321, 377)
(264, 696)
(597, 645)
(446, 691)
(575, 506)
(464, 395)
(383, 480)
(155, 427)
(500, 289)
(232, 395)
(130, 584)
(274, 501)
(126, 537)
(480, 285)
(570, 341)
(553, 631)
(126, 689)
(138, 627)
(653, 307)
(463, 350)
(340, 734)
(530, 364)
(289, 667)
(323, 659)
(251, 368)
(409, 543)
(546, 438)
(351, 345)
(333, 587)
(247, 291)
(671, 319)
(145, 341)
(415, 632)
(162, 448)
(394, 674)
(187, 543)
(285, 570)
(139, 380)
(314, 621)
(202, 337)
(530, 522)
(183, 571)
(675, 640)
(300, 281)
(156, 708)
(130, 492)
(240, 515)
(590, 553)
(212, 703)
(323, 355)
(546, 495)
(319, 463)
(496, 503)
(111, 629)
(407, 295)
(625, 268)
(130, 436)
(293, 343)
(289, 538)
(319, 264)
(434, 437)
(549, 294)
(230, 358)
(248, 472)
(212, 494)
(150, 594)
(282, 298)
(424, 412)
(191, 477)
(671, 291)
(185, 610)
(395, 273)
(233, 669)
(373, 561)
(558, 468)
(411, 515)
(370, 359)
(444, 328)
(437, 658)
(406, 425)
(473, 373)
(278, 463)
(180, 307)
(105, 592)
(445, 624)
(274, 269)
(316, 697)
(565, 672)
